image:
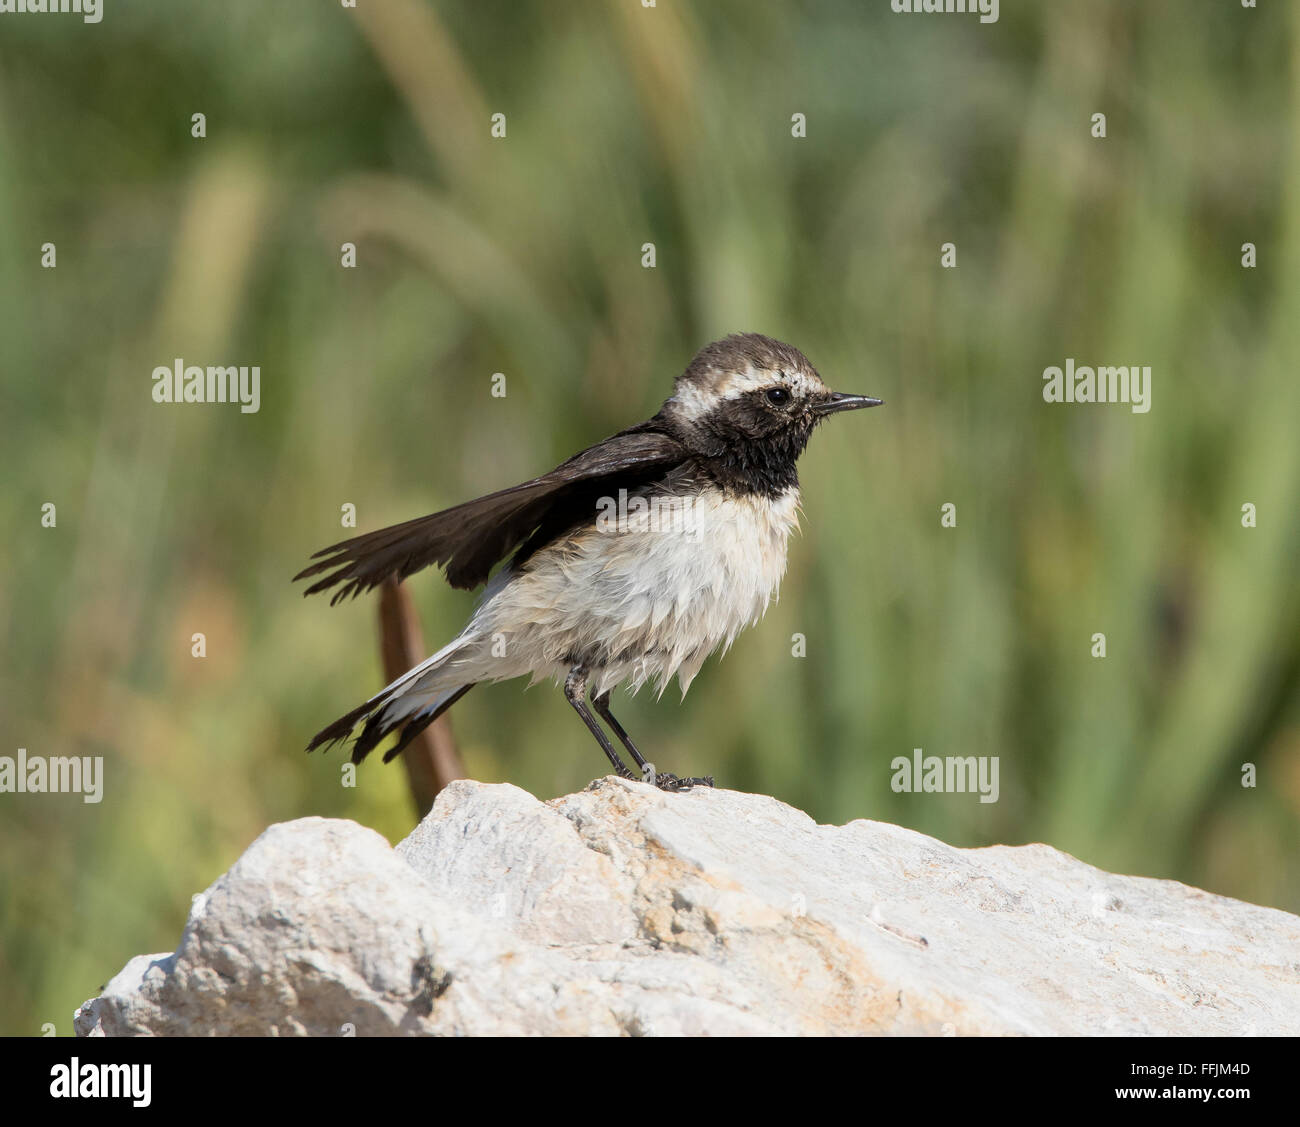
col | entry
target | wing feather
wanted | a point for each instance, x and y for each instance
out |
(470, 539)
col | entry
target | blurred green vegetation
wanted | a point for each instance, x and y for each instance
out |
(629, 125)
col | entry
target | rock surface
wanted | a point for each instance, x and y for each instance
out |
(624, 910)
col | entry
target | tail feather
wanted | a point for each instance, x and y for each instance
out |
(382, 718)
(408, 705)
(415, 727)
(342, 727)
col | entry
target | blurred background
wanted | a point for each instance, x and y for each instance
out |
(522, 255)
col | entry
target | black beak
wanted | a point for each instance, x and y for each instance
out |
(841, 402)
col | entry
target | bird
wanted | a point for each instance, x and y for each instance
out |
(631, 562)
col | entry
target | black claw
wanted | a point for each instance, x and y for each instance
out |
(666, 781)
(622, 773)
(674, 784)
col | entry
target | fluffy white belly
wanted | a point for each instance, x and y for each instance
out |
(642, 598)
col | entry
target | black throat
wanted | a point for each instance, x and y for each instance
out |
(761, 462)
(761, 468)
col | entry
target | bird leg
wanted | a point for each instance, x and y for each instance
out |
(663, 781)
(575, 686)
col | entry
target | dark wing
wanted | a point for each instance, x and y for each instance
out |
(470, 539)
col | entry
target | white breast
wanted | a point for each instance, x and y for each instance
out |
(648, 598)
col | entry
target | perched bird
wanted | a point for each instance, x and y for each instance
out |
(634, 560)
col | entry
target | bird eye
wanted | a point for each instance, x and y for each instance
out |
(778, 396)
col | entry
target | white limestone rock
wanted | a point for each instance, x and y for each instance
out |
(625, 910)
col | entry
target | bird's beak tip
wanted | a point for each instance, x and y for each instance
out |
(839, 401)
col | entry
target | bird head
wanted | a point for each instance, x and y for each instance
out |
(753, 400)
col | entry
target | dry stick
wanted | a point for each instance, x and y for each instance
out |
(431, 759)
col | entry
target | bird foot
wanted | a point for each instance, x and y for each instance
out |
(670, 782)
(665, 780)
